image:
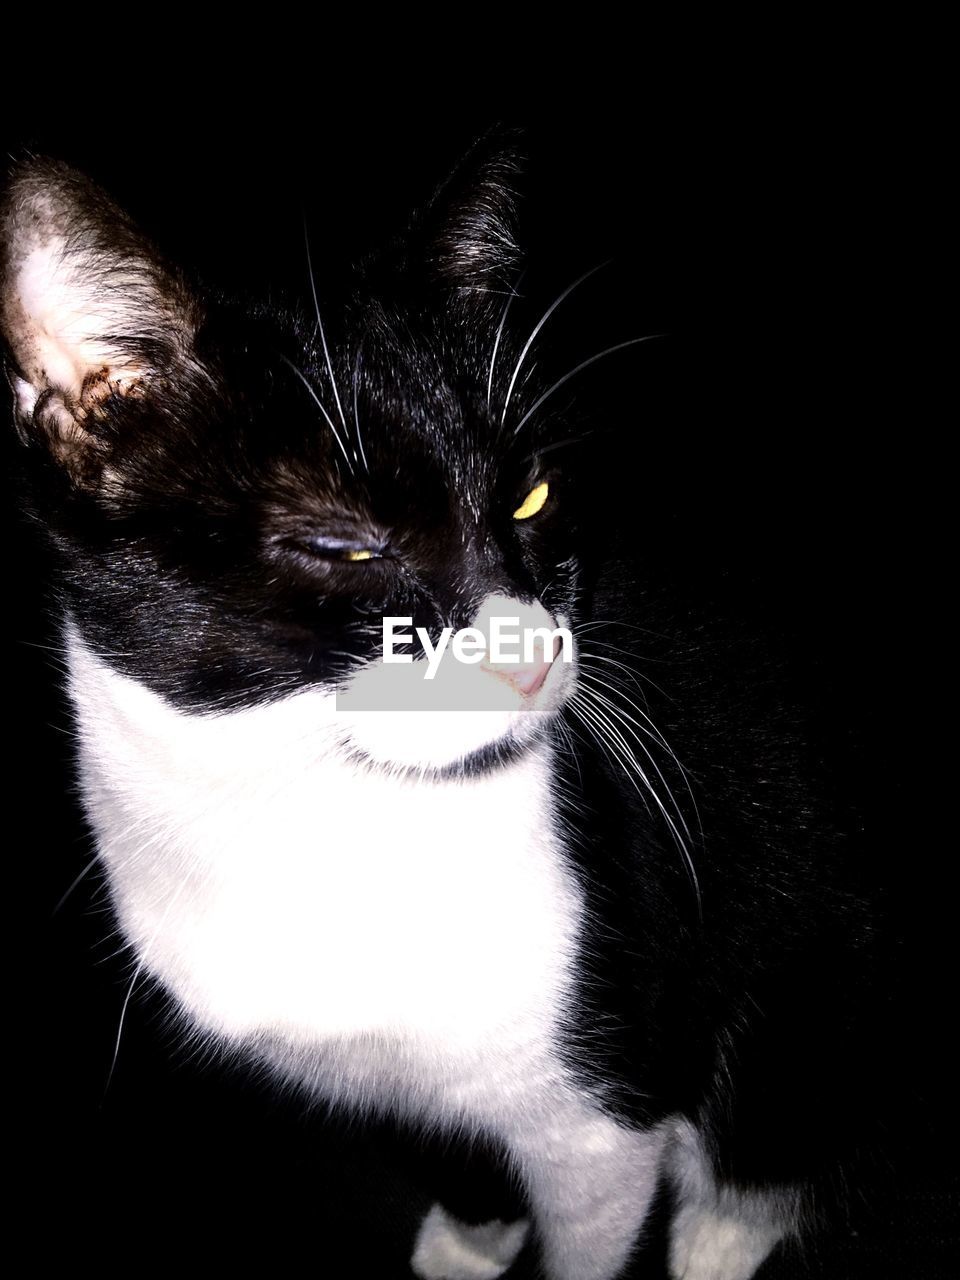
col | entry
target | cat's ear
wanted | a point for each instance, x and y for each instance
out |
(471, 220)
(88, 309)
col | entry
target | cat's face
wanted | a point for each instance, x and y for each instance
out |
(240, 496)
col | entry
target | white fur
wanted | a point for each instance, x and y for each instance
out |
(719, 1233)
(395, 714)
(75, 306)
(279, 888)
(69, 319)
(383, 939)
(591, 1182)
(447, 1249)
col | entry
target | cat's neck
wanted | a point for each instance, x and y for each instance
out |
(247, 859)
(129, 726)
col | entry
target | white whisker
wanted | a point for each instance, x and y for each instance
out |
(632, 342)
(496, 345)
(586, 714)
(537, 327)
(610, 685)
(653, 731)
(564, 731)
(617, 622)
(633, 676)
(356, 415)
(319, 405)
(86, 870)
(323, 336)
(136, 976)
(624, 718)
(608, 717)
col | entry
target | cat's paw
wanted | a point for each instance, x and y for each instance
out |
(706, 1245)
(448, 1249)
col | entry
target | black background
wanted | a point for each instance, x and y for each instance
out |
(765, 444)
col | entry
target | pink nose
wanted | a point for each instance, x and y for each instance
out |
(526, 677)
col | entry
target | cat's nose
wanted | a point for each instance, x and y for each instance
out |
(524, 671)
(526, 677)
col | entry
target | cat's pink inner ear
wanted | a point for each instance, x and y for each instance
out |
(60, 329)
(86, 305)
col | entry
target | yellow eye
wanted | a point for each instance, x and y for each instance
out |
(533, 502)
(359, 555)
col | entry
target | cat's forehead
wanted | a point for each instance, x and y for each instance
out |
(396, 395)
(402, 385)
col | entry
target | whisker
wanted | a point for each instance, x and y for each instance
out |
(356, 415)
(496, 345)
(86, 871)
(560, 444)
(661, 740)
(617, 622)
(608, 717)
(653, 730)
(538, 326)
(586, 714)
(565, 734)
(123, 1018)
(633, 676)
(319, 404)
(136, 977)
(323, 336)
(482, 288)
(623, 718)
(616, 648)
(632, 342)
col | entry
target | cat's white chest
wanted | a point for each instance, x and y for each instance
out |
(278, 890)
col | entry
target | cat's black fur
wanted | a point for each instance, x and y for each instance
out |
(737, 992)
(218, 555)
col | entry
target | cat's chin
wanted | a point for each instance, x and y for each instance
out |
(391, 718)
(445, 743)
(456, 712)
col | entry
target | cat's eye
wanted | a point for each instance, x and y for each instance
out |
(345, 550)
(533, 502)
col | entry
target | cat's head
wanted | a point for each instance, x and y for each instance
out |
(239, 495)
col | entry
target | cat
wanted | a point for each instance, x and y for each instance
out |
(503, 903)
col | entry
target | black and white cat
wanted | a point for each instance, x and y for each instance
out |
(526, 921)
